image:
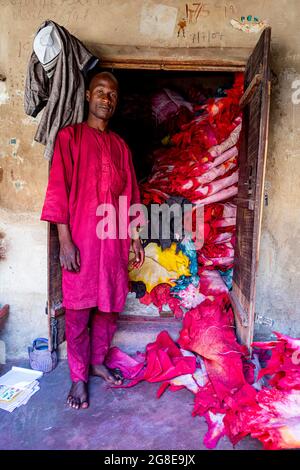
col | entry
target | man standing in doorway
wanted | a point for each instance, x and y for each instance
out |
(91, 169)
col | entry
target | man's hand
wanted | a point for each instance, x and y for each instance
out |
(69, 255)
(139, 253)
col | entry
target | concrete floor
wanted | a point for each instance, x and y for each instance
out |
(118, 419)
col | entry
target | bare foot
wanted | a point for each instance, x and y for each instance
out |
(78, 395)
(108, 375)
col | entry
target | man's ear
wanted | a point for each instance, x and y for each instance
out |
(87, 95)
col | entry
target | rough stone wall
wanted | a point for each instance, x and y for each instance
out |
(23, 171)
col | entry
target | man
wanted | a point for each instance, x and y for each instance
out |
(91, 169)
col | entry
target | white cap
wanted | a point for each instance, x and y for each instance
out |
(47, 44)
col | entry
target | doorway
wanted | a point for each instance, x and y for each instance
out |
(154, 107)
(144, 77)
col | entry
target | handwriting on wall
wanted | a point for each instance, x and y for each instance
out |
(69, 10)
(66, 18)
(24, 49)
(197, 14)
(73, 13)
(207, 37)
(196, 11)
(52, 3)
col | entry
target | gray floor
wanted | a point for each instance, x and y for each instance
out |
(118, 419)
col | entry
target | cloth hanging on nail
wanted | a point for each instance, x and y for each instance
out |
(63, 95)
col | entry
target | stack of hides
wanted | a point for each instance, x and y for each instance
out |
(199, 164)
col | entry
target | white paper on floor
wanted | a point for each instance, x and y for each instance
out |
(17, 386)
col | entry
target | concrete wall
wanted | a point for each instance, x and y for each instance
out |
(23, 171)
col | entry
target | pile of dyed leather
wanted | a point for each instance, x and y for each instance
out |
(234, 400)
(198, 164)
(208, 361)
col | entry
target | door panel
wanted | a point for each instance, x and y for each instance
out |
(252, 161)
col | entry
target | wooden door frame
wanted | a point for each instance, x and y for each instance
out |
(206, 59)
(187, 66)
(200, 65)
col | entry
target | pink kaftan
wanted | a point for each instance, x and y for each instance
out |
(90, 167)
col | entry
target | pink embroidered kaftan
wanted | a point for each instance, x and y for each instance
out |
(89, 168)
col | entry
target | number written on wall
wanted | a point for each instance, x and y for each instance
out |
(207, 37)
(195, 11)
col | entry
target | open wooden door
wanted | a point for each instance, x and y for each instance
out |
(255, 103)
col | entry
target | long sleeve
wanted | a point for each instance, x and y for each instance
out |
(36, 92)
(56, 205)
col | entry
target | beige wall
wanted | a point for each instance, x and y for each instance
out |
(23, 171)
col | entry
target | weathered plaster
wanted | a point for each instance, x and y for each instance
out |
(23, 275)
(3, 93)
(24, 171)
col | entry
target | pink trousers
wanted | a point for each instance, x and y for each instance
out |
(89, 334)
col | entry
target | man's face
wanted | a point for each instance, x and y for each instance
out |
(102, 97)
